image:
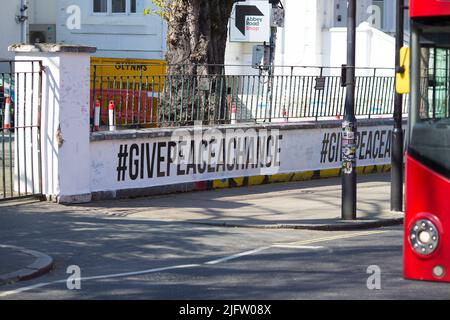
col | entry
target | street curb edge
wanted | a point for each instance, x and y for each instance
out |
(42, 265)
(318, 227)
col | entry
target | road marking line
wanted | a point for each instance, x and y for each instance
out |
(237, 255)
(299, 244)
(289, 246)
(35, 286)
(116, 275)
(338, 237)
(135, 273)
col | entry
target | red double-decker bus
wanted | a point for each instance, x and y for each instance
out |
(427, 212)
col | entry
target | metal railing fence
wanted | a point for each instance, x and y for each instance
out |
(239, 94)
(20, 147)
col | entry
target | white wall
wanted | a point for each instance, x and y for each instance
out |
(9, 29)
(64, 121)
(298, 43)
(115, 36)
(373, 47)
(295, 150)
(309, 37)
(42, 11)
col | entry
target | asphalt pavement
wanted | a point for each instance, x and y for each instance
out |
(173, 247)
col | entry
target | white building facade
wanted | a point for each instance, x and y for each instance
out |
(118, 28)
(315, 34)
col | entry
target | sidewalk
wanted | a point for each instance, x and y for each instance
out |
(314, 205)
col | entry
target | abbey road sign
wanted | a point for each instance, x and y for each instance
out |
(250, 22)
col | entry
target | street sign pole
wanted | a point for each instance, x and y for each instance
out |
(348, 206)
(397, 134)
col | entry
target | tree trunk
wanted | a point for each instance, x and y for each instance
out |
(196, 41)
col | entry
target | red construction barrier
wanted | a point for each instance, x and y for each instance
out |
(7, 119)
(112, 121)
(130, 107)
(97, 116)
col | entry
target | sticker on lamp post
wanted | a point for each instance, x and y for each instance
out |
(348, 147)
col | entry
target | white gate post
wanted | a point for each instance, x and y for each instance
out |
(65, 146)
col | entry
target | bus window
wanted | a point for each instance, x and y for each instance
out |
(434, 70)
(430, 138)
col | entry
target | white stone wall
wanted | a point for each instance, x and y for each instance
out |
(64, 122)
(10, 30)
(299, 150)
(75, 164)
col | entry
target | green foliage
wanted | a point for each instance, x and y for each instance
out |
(165, 7)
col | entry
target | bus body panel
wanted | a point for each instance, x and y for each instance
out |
(429, 8)
(427, 196)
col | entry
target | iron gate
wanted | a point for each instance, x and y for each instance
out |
(20, 123)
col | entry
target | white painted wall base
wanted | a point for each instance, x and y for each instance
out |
(143, 155)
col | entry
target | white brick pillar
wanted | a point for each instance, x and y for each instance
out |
(64, 118)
